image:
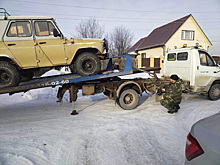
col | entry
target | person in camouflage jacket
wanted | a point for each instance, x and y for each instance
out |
(173, 94)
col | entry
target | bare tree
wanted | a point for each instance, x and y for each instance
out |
(89, 29)
(120, 41)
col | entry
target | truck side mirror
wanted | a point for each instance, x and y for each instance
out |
(56, 33)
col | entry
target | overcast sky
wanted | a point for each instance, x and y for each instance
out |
(140, 16)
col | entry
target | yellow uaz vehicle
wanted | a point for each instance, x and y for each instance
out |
(28, 43)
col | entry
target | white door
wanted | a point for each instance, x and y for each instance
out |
(206, 70)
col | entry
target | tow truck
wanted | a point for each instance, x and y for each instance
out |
(125, 92)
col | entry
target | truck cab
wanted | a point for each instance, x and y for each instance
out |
(196, 68)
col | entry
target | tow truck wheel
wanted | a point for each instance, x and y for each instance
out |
(128, 99)
(87, 64)
(9, 75)
(214, 92)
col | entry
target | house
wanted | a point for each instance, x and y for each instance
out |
(216, 58)
(152, 49)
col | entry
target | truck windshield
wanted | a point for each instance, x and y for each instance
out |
(206, 59)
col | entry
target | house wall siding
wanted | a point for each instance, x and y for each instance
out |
(154, 52)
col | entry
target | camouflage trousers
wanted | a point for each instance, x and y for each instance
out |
(169, 104)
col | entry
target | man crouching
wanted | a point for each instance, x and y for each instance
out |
(173, 95)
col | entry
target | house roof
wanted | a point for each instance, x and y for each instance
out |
(160, 35)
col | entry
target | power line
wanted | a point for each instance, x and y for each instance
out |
(112, 9)
(87, 16)
(209, 20)
(120, 19)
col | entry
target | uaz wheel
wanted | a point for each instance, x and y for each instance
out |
(87, 64)
(128, 99)
(9, 75)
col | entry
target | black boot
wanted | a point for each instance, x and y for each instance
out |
(177, 107)
(174, 109)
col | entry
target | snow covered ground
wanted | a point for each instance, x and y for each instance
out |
(35, 130)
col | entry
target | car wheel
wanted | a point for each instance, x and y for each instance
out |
(128, 99)
(9, 75)
(87, 64)
(214, 92)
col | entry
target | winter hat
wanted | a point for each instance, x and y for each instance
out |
(174, 77)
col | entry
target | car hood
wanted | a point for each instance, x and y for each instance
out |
(87, 40)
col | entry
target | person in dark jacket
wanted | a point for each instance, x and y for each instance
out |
(173, 94)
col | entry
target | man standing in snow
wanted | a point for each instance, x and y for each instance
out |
(173, 95)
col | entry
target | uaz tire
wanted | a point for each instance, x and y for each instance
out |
(87, 64)
(9, 75)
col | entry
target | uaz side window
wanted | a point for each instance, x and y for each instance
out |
(19, 29)
(43, 28)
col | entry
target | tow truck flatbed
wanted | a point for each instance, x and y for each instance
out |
(52, 81)
(125, 92)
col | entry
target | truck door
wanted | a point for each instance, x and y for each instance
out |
(206, 69)
(19, 40)
(50, 49)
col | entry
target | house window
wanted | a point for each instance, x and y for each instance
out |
(187, 35)
(143, 55)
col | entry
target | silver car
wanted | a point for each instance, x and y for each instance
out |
(203, 142)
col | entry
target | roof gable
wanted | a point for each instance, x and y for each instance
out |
(160, 35)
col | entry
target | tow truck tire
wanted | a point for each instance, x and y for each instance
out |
(128, 99)
(9, 75)
(87, 64)
(214, 92)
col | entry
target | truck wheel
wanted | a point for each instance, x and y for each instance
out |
(128, 99)
(9, 75)
(214, 92)
(87, 64)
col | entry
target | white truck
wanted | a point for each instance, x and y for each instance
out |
(199, 72)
